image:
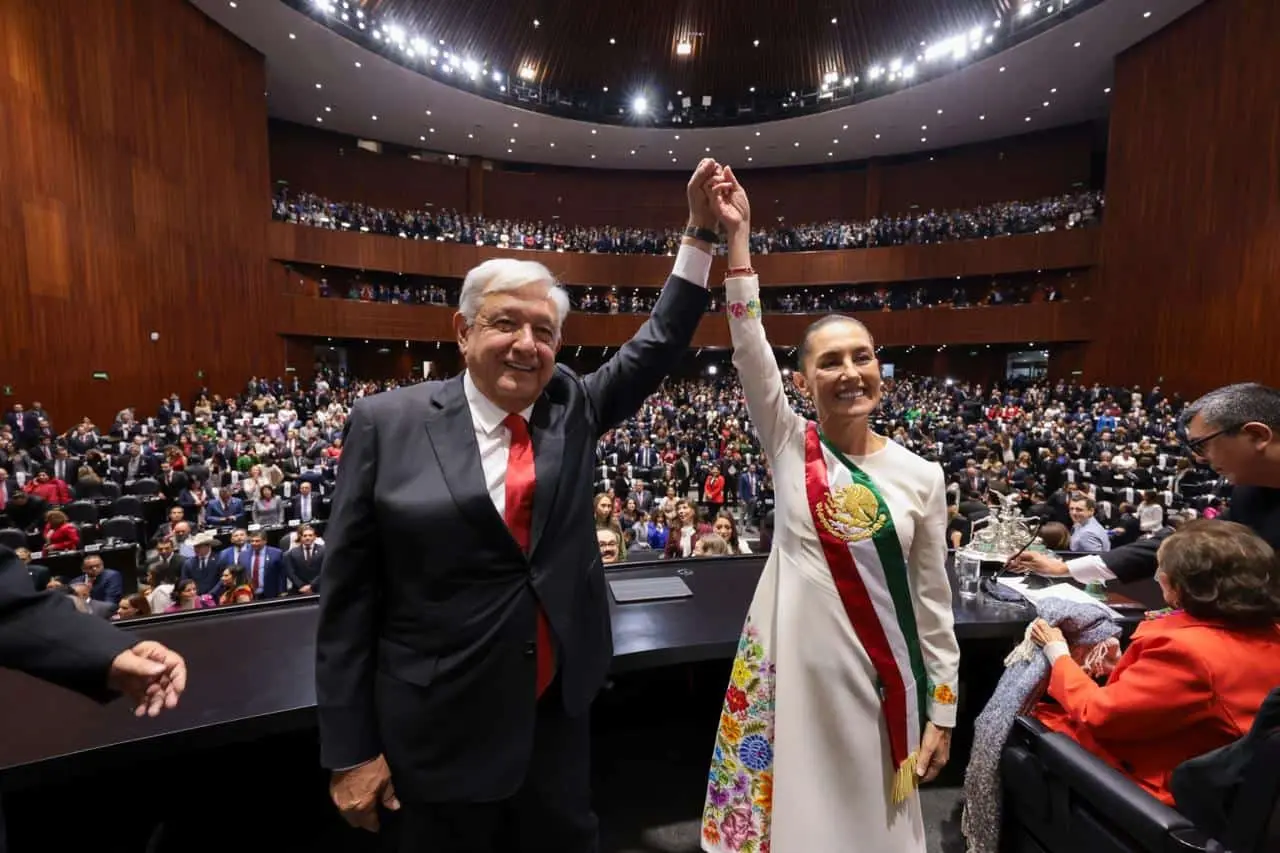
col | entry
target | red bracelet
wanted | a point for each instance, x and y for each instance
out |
(734, 272)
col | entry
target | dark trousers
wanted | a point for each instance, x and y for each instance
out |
(550, 812)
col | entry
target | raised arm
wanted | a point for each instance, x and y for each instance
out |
(619, 387)
(771, 413)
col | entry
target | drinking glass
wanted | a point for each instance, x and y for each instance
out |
(968, 574)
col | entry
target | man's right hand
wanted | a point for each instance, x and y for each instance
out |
(358, 791)
(1040, 564)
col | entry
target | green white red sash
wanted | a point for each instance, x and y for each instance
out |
(867, 565)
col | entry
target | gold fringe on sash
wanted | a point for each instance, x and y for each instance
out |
(905, 780)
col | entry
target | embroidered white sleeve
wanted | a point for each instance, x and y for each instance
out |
(771, 412)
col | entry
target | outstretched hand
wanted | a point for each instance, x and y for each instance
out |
(701, 211)
(729, 200)
(152, 676)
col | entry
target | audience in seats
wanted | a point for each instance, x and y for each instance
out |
(186, 597)
(1087, 535)
(103, 584)
(610, 545)
(1074, 210)
(1193, 678)
(59, 533)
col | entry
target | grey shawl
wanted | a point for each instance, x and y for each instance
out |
(1023, 683)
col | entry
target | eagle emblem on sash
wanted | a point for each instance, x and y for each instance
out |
(851, 513)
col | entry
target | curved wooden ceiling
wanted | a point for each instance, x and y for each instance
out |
(798, 43)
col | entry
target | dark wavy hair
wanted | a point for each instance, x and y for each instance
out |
(1223, 571)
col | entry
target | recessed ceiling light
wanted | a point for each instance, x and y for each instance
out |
(537, 23)
(752, 89)
(924, 127)
(924, 139)
(422, 139)
(830, 154)
(431, 130)
(593, 156)
(749, 159)
(292, 37)
(593, 131)
(613, 41)
(1001, 69)
(1144, 14)
(708, 150)
(232, 4)
(1045, 104)
(833, 20)
(513, 140)
(515, 124)
(469, 135)
(328, 109)
(1106, 91)
(845, 127)
(1053, 91)
(553, 145)
(428, 112)
(757, 133)
(673, 159)
(755, 43)
(1028, 118)
(877, 136)
(375, 118)
(982, 118)
(835, 142)
(797, 144)
(633, 151)
(939, 112)
(677, 137)
(508, 150)
(358, 65)
(670, 151)
(606, 88)
(318, 86)
(1077, 44)
(319, 119)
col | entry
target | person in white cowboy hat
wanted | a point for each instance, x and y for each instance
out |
(203, 568)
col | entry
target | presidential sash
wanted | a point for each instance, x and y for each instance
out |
(867, 565)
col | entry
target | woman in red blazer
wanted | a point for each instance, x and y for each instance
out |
(59, 533)
(714, 488)
(1190, 681)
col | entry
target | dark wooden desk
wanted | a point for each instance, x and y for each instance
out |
(252, 673)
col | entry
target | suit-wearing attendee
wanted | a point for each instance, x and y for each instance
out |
(104, 584)
(302, 563)
(225, 509)
(268, 510)
(263, 566)
(239, 544)
(202, 566)
(1190, 681)
(1087, 535)
(305, 506)
(63, 467)
(40, 574)
(486, 744)
(1236, 431)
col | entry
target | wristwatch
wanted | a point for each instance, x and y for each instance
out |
(706, 235)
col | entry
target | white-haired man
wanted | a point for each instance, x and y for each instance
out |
(464, 625)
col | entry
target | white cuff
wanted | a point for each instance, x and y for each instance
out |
(692, 264)
(1091, 568)
(1055, 650)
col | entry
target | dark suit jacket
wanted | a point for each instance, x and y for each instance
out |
(426, 641)
(85, 647)
(301, 572)
(207, 580)
(317, 507)
(1253, 506)
(108, 587)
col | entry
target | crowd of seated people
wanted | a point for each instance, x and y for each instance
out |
(1073, 210)
(788, 300)
(243, 481)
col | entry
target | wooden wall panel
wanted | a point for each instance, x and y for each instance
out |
(1191, 239)
(1019, 168)
(1055, 250)
(1036, 323)
(133, 150)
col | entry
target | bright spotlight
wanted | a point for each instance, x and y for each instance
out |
(640, 105)
(829, 77)
(1026, 10)
(527, 73)
(497, 76)
(711, 370)
(876, 72)
(420, 45)
(909, 71)
(471, 67)
(896, 65)
(684, 49)
(396, 33)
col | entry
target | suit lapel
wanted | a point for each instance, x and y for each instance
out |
(548, 456)
(453, 439)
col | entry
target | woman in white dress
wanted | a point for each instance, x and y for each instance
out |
(844, 687)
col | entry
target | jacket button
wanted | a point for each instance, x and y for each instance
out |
(530, 649)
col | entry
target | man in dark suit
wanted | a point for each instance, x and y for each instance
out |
(464, 624)
(104, 584)
(263, 566)
(203, 568)
(225, 509)
(305, 506)
(1236, 431)
(302, 563)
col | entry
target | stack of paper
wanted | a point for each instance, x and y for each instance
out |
(1069, 591)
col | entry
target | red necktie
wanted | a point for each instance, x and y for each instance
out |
(519, 518)
(257, 561)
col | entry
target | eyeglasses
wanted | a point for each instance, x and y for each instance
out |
(1194, 446)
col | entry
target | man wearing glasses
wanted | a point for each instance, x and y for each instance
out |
(1234, 430)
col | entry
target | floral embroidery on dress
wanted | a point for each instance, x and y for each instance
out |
(744, 310)
(944, 695)
(740, 782)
